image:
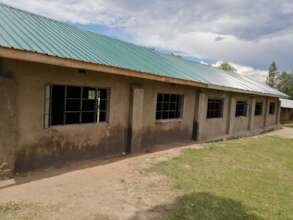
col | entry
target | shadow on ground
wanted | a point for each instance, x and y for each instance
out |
(63, 167)
(199, 206)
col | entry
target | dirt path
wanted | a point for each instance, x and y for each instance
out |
(109, 189)
(120, 189)
(283, 133)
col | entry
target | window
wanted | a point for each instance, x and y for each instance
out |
(169, 106)
(76, 105)
(215, 108)
(258, 108)
(241, 109)
(272, 108)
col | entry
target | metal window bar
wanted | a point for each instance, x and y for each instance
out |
(97, 111)
(241, 109)
(258, 108)
(215, 108)
(168, 106)
(81, 101)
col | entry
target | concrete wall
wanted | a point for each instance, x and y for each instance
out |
(38, 146)
(271, 118)
(230, 126)
(132, 126)
(286, 114)
(241, 124)
(212, 128)
(166, 131)
(8, 132)
(136, 119)
(259, 119)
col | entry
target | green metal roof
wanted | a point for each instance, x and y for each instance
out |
(29, 32)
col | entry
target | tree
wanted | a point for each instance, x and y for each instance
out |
(290, 86)
(227, 67)
(283, 81)
(272, 79)
(285, 84)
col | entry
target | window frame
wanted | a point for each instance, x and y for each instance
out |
(272, 111)
(258, 113)
(48, 105)
(181, 107)
(221, 115)
(237, 115)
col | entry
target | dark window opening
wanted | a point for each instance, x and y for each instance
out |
(241, 109)
(57, 105)
(76, 105)
(215, 108)
(272, 108)
(169, 106)
(258, 108)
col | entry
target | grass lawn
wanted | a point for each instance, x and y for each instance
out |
(289, 125)
(21, 211)
(249, 178)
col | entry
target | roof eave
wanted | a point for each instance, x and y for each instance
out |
(30, 56)
(229, 89)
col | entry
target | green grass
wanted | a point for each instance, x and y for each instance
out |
(13, 210)
(289, 125)
(25, 211)
(249, 178)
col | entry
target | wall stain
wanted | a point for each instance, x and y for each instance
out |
(156, 135)
(56, 149)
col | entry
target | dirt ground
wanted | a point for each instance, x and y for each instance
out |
(118, 189)
(283, 133)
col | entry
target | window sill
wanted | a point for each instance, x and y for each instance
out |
(211, 119)
(163, 121)
(241, 117)
(79, 125)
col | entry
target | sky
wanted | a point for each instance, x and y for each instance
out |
(248, 33)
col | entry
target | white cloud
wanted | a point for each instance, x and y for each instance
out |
(258, 54)
(203, 62)
(255, 74)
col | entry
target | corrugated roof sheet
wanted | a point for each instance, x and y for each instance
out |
(286, 103)
(29, 32)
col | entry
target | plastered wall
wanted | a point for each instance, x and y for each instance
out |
(35, 146)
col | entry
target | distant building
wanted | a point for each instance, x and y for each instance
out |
(286, 110)
(68, 93)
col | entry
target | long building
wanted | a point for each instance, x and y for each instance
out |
(67, 93)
